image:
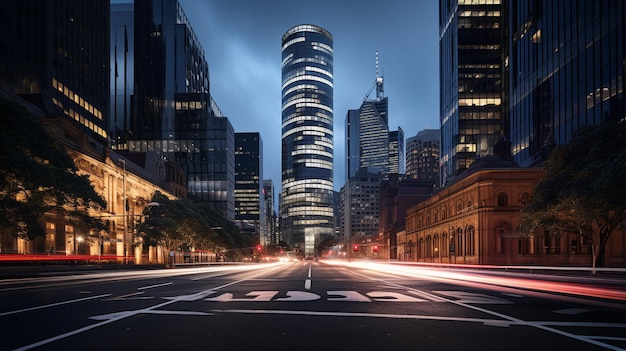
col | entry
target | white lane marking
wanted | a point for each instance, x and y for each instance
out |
(192, 297)
(53, 304)
(299, 296)
(307, 282)
(154, 286)
(125, 315)
(256, 296)
(347, 296)
(131, 297)
(491, 322)
(571, 311)
(514, 320)
(392, 297)
(467, 297)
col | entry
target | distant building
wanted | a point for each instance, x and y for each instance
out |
(396, 151)
(249, 201)
(270, 213)
(307, 137)
(369, 142)
(360, 207)
(422, 155)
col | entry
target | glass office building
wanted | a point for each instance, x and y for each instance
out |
(307, 137)
(249, 199)
(160, 98)
(567, 62)
(471, 76)
(54, 54)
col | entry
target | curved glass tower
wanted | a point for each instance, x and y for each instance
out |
(307, 137)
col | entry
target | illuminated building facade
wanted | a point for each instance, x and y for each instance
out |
(567, 63)
(359, 209)
(369, 143)
(396, 151)
(307, 137)
(161, 100)
(55, 55)
(270, 213)
(422, 155)
(249, 199)
(471, 78)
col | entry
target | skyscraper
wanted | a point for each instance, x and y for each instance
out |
(54, 54)
(270, 213)
(567, 65)
(249, 201)
(422, 155)
(369, 143)
(307, 137)
(471, 78)
(161, 99)
(396, 151)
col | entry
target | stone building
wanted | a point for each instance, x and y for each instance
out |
(475, 221)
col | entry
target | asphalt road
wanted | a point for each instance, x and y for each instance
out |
(309, 306)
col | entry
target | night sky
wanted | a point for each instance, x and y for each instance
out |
(242, 43)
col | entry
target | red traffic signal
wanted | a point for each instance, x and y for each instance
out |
(355, 248)
(375, 248)
(258, 248)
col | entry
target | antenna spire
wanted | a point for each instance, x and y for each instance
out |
(380, 93)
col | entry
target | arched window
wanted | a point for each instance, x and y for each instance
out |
(470, 246)
(460, 240)
(436, 245)
(502, 200)
(428, 248)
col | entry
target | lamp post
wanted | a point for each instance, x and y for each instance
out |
(125, 240)
(452, 247)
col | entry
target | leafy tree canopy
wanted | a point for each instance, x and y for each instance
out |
(37, 175)
(584, 187)
(185, 223)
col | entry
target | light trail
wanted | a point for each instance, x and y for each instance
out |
(510, 282)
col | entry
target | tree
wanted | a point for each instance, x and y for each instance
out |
(185, 223)
(583, 190)
(38, 176)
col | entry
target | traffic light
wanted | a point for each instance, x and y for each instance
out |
(355, 248)
(258, 248)
(375, 249)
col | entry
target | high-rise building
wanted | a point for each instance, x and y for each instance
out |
(396, 151)
(369, 143)
(249, 201)
(359, 207)
(471, 78)
(54, 54)
(161, 101)
(422, 155)
(567, 62)
(374, 135)
(307, 137)
(270, 212)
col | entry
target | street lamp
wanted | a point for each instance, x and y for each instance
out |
(79, 239)
(123, 163)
